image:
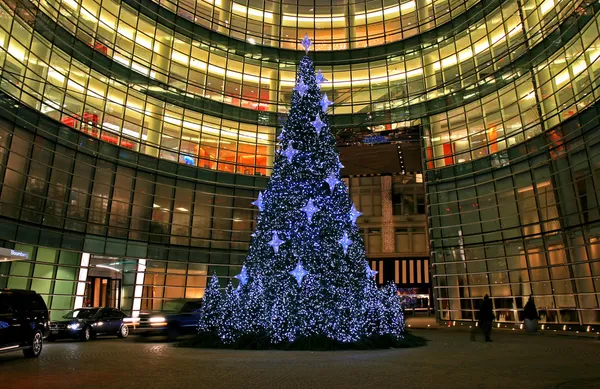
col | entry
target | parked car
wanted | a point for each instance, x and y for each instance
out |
(87, 323)
(23, 322)
(178, 318)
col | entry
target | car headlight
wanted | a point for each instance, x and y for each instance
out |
(74, 326)
(158, 321)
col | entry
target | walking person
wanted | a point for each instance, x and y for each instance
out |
(530, 314)
(486, 317)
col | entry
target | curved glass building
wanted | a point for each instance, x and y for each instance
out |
(134, 134)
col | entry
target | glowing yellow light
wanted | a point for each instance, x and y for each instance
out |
(125, 30)
(56, 75)
(546, 6)
(579, 67)
(74, 86)
(407, 6)
(198, 64)
(16, 51)
(181, 58)
(71, 3)
(562, 77)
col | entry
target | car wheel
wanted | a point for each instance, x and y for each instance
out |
(36, 345)
(85, 334)
(123, 331)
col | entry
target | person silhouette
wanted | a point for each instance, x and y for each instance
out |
(486, 317)
(530, 315)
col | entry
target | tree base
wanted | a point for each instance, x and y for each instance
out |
(309, 343)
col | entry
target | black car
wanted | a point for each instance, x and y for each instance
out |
(87, 323)
(23, 322)
(178, 318)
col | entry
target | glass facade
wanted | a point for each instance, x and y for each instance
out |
(512, 197)
(64, 195)
(336, 25)
(135, 134)
(558, 88)
(521, 222)
(190, 66)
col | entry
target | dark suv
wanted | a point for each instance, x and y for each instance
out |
(23, 321)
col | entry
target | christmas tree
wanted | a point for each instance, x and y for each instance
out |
(306, 272)
(211, 310)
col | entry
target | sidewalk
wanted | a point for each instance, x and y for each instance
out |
(430, 323)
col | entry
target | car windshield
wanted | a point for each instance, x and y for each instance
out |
(81, 314)
(173, 306)
(191, 306)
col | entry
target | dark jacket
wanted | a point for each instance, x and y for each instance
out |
(530, 311)
(486, 312)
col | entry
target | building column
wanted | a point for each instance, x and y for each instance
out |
(388, 236)
(81, 280)
(139, 288)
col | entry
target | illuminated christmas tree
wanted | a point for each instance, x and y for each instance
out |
(211, 310)
(306, 273)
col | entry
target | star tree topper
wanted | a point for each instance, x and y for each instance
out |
(306, 43)
(290, 152)
(259, 202)
(370, 273)
(275, 242)
(354, 214)
(332, 181)
(345, 242)
(301, 87)
(310, 210)
(299, 273)
(318, 124)
(243, 276)
(325, 103)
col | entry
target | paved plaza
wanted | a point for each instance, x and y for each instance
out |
(450, 360)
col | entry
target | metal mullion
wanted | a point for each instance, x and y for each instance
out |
(542, 236)
(171, 210)
(588, 262)
(211, 219)
(110, 198)
(130, 200)
(585, 232)
(521, 237)
(566, 239)
(48, 166)
(68, 188)
(4, 164)
(505, 256)
(191, 217)
(88, 193)
(26, 174)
